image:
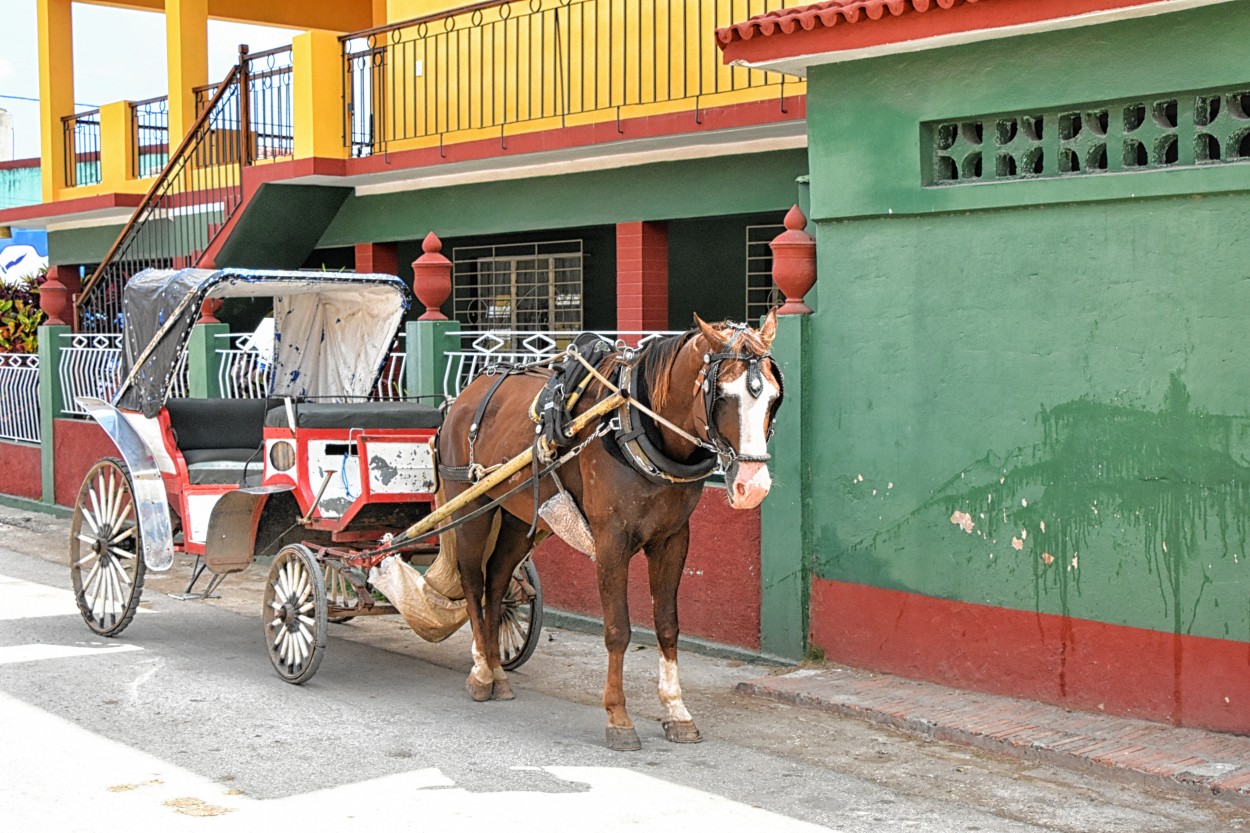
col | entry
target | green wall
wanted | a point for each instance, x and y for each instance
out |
(1060, 359)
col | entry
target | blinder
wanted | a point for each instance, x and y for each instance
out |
(710, 376)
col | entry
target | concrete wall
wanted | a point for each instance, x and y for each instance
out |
(1029, 433)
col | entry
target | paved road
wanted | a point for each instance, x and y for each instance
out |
(182, 723)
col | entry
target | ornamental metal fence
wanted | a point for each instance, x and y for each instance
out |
(481, 349)
(90, 365)
(246, 372)
(19, 397)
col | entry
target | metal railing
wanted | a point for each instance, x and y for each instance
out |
(19, 397)
(244, 372)
(90, 366)
(479, 349)
(191, 201)
(270, 111)
(149, 121)
(82, 148)
(492, 64)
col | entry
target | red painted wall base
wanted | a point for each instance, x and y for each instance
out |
(78, 445)
(1076, 663)
(21, 471)
(719, 599)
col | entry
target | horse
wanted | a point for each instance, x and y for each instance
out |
(715, 390)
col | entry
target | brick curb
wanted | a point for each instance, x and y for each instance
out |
(1136, 751)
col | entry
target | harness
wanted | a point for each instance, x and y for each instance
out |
(632, 435)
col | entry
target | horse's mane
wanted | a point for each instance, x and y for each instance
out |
(662, 355)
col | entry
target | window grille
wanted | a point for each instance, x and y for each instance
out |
(522, 287)
(762, 294)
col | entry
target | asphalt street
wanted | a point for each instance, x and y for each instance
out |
(181, 723)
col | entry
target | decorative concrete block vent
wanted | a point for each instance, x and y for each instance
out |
(1128, 135)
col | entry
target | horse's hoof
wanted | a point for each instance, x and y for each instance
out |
(503, 690)
(480, 692)
(682, 731)
(623, 739)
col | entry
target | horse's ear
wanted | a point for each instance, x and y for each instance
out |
(710, 333)
(768, 328)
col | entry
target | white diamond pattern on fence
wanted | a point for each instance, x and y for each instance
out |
(481, 349)
(91, 366)
(19, 397)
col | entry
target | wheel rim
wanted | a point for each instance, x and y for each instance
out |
(105, 561)
(295, 614)
(521, 622)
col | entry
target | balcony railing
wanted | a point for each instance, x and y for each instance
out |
(150, 128)
(82, 148)
(271, 125)
(494, 64)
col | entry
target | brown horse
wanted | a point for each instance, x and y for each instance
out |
(719, 385)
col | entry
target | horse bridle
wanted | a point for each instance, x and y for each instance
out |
(709, 378)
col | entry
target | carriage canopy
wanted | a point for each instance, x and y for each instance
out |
(332, 331)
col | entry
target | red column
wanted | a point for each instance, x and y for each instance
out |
(642, 276)
(382, 258)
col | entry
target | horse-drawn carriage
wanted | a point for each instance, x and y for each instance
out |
(313, 475)
(610, 449)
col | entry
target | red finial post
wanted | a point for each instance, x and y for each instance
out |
(208, 311)
(54, 298)
(794, 263)
(431, 278)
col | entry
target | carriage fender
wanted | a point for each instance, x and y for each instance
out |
(151, 503)
(230, 544)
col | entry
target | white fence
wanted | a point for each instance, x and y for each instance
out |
(480, 349)
(247, 373)
(19, 397)
(91, 366)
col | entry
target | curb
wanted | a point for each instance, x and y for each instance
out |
(1129, 750)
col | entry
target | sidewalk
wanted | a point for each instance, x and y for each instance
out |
(1130, 750)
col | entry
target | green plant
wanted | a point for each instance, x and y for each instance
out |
(20, 315)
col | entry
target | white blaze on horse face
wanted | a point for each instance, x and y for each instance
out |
(752, 480)
(670, 692)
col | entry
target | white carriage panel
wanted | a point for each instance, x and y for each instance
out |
(341, 460)
(200, 508)
(149, 430)
(400, 467)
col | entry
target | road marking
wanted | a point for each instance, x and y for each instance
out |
(34, 653)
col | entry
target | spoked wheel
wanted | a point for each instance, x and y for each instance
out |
(522, 620)
(339, 593)
(105, 553)
(295, 614)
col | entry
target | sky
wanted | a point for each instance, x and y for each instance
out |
(103, 72)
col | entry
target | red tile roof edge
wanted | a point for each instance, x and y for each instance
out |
(826, 15)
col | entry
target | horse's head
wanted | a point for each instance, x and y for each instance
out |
(741, 389)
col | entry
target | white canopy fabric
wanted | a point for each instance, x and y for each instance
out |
(333, 330)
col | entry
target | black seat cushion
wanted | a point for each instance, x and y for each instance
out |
(357, 415)
(217, 423)
(221, 455)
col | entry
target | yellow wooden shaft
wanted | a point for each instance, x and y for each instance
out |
(499, 475)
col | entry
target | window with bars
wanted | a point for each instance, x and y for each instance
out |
(762, 294)
(526, 287)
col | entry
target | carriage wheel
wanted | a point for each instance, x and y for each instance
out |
(339, 593)
(105, 551)
(295, 614)
(522, 620)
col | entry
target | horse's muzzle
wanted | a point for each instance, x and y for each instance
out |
(748, 484)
